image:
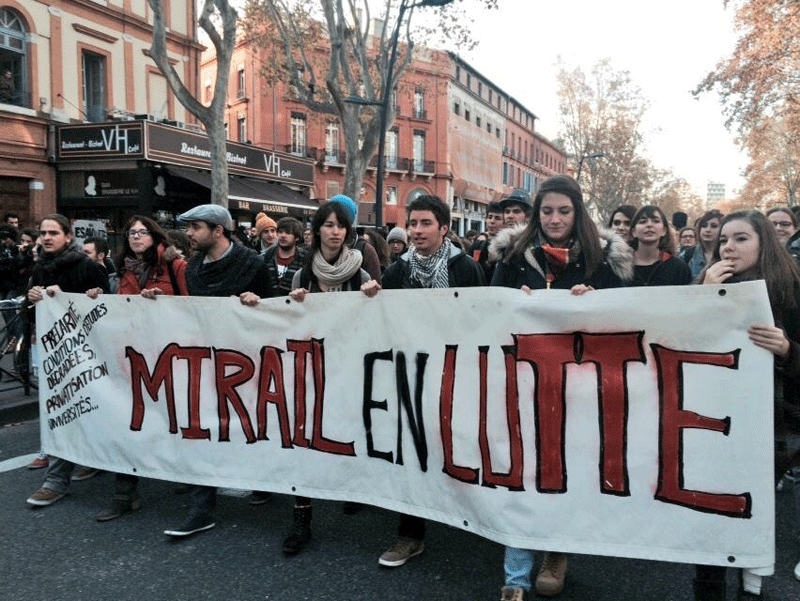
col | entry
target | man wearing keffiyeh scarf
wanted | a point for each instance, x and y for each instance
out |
(433, 262)
(431, 270)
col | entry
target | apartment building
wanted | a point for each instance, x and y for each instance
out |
(455, 134)
(81, 61)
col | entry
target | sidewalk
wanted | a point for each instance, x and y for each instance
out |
(14, 405)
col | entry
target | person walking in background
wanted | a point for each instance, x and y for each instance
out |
(516, 208)
(785, 223)
(479, 251)
(378, 242)
(620, 221)
(398, 243)
(707, 231)
(654, 260)
(266, 233)
(286, 257)
(559, 248)
(686, 238)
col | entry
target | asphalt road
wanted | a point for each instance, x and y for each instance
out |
(61, 552)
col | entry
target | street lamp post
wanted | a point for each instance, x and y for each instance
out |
(593, 155)
(384, 104)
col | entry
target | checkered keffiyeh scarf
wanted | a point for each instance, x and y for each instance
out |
(431, 271)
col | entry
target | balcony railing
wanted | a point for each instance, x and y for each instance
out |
(420, 114)
(301, 151)
(240, 94)
(419, 166)
(333, 157)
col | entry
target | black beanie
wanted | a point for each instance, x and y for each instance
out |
(563, 184)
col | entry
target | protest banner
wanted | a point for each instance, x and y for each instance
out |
(630, 422)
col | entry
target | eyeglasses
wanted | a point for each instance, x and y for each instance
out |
(138, 233)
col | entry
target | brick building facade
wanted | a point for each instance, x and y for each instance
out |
(72, 61)
(456, 134)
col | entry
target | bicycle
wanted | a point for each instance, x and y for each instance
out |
(12, 344)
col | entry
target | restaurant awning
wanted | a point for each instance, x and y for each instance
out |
(251, 194)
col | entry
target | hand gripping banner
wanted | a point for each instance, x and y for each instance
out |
(632, 422)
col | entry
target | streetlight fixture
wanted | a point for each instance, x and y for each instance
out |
(593, 155)
(384, 102)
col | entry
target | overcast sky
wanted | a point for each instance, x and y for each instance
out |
(668, 47)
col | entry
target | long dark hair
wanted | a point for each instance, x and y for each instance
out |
(379, 244)
(628, 210)
(583, 229)
(151, 254)
(667, 242)
(775, 265)
(323, 212)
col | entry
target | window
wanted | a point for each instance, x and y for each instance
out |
(331, 188)
(391, 149)
(480, 89)
(489, 127)
(240, 90)
(241, 125)
(458, 73)
(298, 125)
(466, 112)
(207, 92)
(505, 172)
(419, 104)
(227, 137)
(391, 195)
(94, 89)
(395, 102)
(13, 56)
(469, 81)
(491, 92)
(332, 142)
(497, 133)
(457, 107)
(478, 120)
(419, 151)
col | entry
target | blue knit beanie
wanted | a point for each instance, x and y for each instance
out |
(348, 204)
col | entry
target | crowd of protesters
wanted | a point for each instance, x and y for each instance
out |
(548, 242)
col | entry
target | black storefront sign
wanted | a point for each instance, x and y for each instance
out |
(172, 145)
(167, 144)
(101, 141)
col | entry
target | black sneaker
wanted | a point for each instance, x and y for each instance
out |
(196, 524)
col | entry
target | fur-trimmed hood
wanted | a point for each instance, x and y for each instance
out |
(618, 254)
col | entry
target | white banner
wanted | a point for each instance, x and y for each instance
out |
(632, 422)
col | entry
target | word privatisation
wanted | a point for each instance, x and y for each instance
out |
(548, 355)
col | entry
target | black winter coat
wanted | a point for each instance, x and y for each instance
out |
(515, 272)
(462, 272)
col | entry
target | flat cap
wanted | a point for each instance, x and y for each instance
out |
(213, 214)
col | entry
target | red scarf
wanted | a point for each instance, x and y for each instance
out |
(557, 259)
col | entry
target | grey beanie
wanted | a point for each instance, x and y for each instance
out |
(397, 233)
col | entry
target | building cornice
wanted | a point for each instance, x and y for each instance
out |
(136, 21)
(94, 33)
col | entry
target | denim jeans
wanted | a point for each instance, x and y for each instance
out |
(518, 565)
(58, 475)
